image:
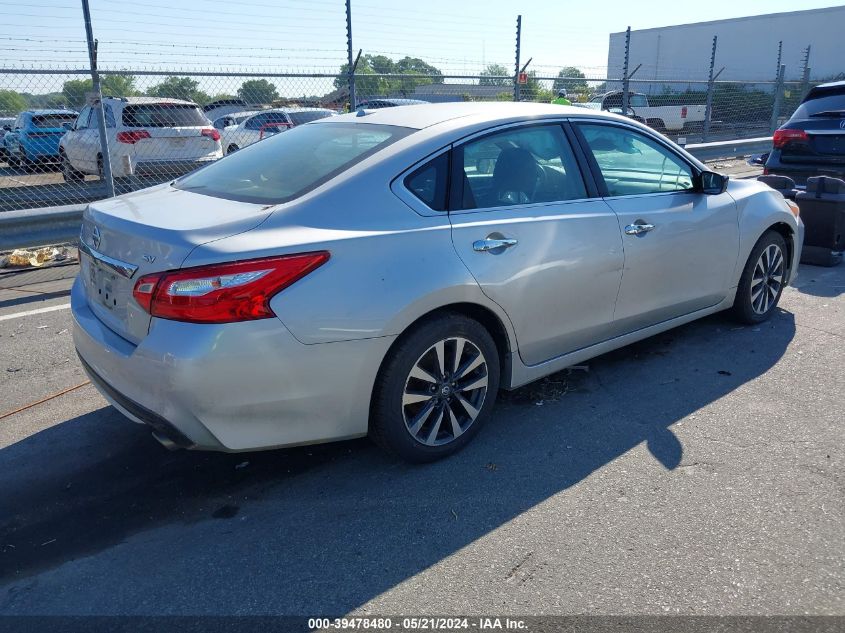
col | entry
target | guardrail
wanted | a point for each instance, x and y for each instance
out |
(36, 227)
(730, 149)
(52, 225)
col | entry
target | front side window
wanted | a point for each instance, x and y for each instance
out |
(525, 165)
(288, 165)
(633, 164)
(82, 119)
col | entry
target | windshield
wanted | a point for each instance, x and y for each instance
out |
(52, 120)
(826, 103)
(289, 165)
(163, 115)
(298, 118)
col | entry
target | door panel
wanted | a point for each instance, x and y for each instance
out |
(682, 265)
(558, 284)
(680, 245)
(524, 227)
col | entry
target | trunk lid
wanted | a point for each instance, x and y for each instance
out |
(144, 232)
(184, 143)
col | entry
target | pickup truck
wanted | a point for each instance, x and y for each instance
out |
(669, 118)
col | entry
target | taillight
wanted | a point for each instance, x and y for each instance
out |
(212, 133)
(785, 136)
(683, 112)
(223, 293)
(132, 136)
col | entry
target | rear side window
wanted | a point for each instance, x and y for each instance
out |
(163, 115)
(526, 165)
(429, 183)
(47, 121)
(298, 118)
(288, 165)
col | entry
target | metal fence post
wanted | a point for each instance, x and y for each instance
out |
(708, 110)
(775, 97)
(805, 78)
(516, 65)
(778, 98)
(350, 66)
(625, 77)
(98, 108)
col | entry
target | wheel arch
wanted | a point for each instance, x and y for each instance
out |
(789, 237)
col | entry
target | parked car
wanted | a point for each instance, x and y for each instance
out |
(361, 275)
(6, 124)
(266, 123)
(234, 118)
(34, 138)
(669, 118)
(221, 107)
(812, 141)
(158, 136)
(376, 104)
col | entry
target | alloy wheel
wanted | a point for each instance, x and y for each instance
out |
(767, 279)
(445, 391)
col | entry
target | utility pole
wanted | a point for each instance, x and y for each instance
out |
(625, 77)
(516, 65)
(708, 110)
(349, 62)
(805, 78)
(98, 106)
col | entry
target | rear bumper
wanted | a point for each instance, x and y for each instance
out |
(231, 387)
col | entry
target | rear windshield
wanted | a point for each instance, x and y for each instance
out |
(298, 118)
(825, 102)
(163, 115)
(52, 120)
(286, 166)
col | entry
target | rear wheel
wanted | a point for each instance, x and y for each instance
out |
(762, 280)
(68, 172)
(436, 389)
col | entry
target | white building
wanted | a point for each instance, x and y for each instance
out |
(747, 48)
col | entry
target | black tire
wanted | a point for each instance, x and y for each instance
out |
(70, 174)
(391, 416)
(232, 148)
(750, 305)
(101, 168)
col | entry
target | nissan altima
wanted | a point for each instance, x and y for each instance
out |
(386, 272)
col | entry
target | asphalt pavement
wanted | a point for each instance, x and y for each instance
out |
(697, 472)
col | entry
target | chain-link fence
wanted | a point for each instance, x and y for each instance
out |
(160, 125)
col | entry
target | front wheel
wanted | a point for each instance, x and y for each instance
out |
(68, 172)
(232, 148)
(762, 280)
(435, 389)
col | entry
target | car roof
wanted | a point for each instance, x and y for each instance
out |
(831, 88)
(398, 102)
(148, 100)
(430, 114)
(238, 114)
(43, 112)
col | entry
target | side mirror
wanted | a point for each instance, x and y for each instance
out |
(713, 183)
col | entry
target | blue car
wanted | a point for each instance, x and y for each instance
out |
(34, 139)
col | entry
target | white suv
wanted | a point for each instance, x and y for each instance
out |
(253, 128)
(147, 136)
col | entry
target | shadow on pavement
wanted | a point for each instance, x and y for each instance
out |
(324, 529)
(820, 281)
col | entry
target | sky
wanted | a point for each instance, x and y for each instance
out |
(310, 35)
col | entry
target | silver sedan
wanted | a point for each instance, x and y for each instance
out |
(385, 273)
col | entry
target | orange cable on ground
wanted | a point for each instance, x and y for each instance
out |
(37, 402)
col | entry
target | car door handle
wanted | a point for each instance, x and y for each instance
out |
(492, 244)
(638, 228)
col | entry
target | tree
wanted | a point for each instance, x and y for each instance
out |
(372, 86)
(179, 88)
(572, 80)
(258, 91)
(534, 90)
(76, 90)
(11, 102)
(493, 76)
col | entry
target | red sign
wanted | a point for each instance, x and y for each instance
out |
(522, 78)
